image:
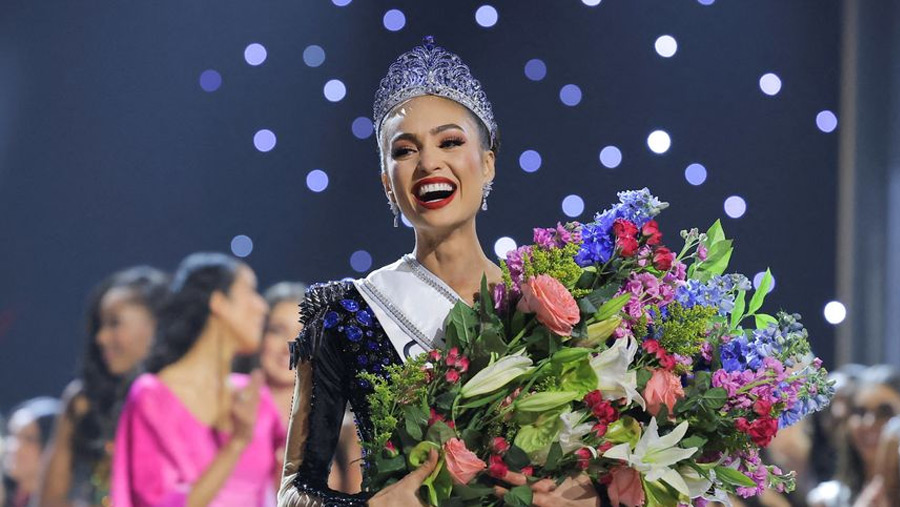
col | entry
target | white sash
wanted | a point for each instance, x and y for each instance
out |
(411, 304)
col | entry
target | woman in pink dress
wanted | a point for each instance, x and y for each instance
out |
(191, 433)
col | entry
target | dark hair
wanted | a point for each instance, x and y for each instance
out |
(186, 312)
(42, 411)
(103, 390)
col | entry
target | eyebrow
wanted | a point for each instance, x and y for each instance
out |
(436, 130)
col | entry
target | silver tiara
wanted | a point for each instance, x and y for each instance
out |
(432, 70)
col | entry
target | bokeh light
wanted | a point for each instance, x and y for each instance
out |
(757, 281)
(486, 16)
(735, 206)
(826, 121)
(770, 84)
(313, 56)
(573, 206)
(255, 54)
(241, 245)
(695, 174)
(210, 80)
(394, 20)
(591, 3)
(341, 3)
(610, 157)
(535, 69)
(362, 127)
(360, 261)
(264, 140)
(570, 95)
(706, 2)
(317, 180)
(835, 312)
(666, 46)
(530, 161)
(335, 90)
(503, 246)
(659, 141)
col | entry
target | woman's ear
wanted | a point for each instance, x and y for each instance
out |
(488, 161)
(386, 183)
(218, 303)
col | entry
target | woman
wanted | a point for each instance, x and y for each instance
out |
(29, 430)
(121, 322)
(191, 433)
(438, 143)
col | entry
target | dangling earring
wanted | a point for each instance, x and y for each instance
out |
(485, 192)
(395, 210)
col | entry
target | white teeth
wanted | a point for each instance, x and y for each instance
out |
(435, 187)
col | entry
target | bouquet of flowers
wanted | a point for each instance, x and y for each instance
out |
(603, 353)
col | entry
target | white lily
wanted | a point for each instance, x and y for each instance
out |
(497, 375)
(696, 483)
(614, 379)
(571, 432)
(654, 456)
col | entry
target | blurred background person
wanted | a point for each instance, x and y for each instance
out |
(29, 428)
(121, 323)
(191, 432)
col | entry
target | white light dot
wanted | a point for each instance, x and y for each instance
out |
(362, 127)
(770, 84)
(570, 95)
(591, 3)
(503, 246)
(659, 141)
(757, 281)
(666, 46)
(335, 90)
(241, 245)
(835, 312)
(826, 121)
(610, 157)
(573, 205)
(535, 69)
(486, 16)
(264, 140)
(394, 20)
(317, 180)
(530, 161)
(405, 221)
(255, 54)
(313, 56)
(360, 261)
(735, 206)
(695, 174)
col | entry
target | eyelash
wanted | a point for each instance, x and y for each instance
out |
(451, 142)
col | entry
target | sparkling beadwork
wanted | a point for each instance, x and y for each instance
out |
(426, 276)
(350, 305)
(354, 334)
(331, 319)
(364, 318)
(432, 70)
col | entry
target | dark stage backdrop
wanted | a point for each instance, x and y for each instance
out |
(112, 152)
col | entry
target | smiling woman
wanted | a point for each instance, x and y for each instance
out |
(438, 144)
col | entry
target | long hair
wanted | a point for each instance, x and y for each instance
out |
(104, 390)
(186, 312)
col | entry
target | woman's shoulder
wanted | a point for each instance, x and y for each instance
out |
(325, 307)
(147, 387)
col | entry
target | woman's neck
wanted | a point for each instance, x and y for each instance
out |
(208, 362)
(457, 258)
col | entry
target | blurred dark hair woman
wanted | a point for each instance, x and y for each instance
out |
(29, 427)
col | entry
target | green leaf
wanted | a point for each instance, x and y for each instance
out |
(733, 477)
(516, 458)
(390, 465)
(693, 441)
(643, 376)
(519, 496)
(715, 398)
(759, 296)
(486, 299)
(439, 432)
(553, 457)
(586, 307)
(472, 492)
(414, 430)
(715, 233)
(763, 320)
(601, 295)
(737, 313)
(613, 306)
(444, 401)
(659, 494)
(484, 401)
(463, 320)
(541, 402)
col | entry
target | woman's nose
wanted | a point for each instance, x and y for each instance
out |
(429, 159)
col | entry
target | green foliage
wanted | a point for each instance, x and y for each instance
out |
(685, 328)
(389, 398)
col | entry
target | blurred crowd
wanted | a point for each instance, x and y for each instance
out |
(184, 396)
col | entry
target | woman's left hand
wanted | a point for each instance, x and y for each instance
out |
(575, 491)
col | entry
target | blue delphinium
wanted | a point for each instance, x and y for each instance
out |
(597, 241)
(717, 292)
(638, 206)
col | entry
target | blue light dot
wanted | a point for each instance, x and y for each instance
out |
(706, 2)
(210, 80)
(486, 16)
(317, 180)
(573, 206)
(394, 20)
(241, 245)
(360, 261)
(735, 206)
(610, 157)
(570, 95)
(530, 161)
(695, 174)
(535, 69)
(757, 281)
(313, 56)
(770, 84)
(255, 54)
(335, 90)
(826, 121)
(503, 246)
(341, 3)
(264, 140)
(362, 127)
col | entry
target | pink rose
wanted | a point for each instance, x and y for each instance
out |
(663, 388)
(462, 463)
(626, 487)
(549, 299)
